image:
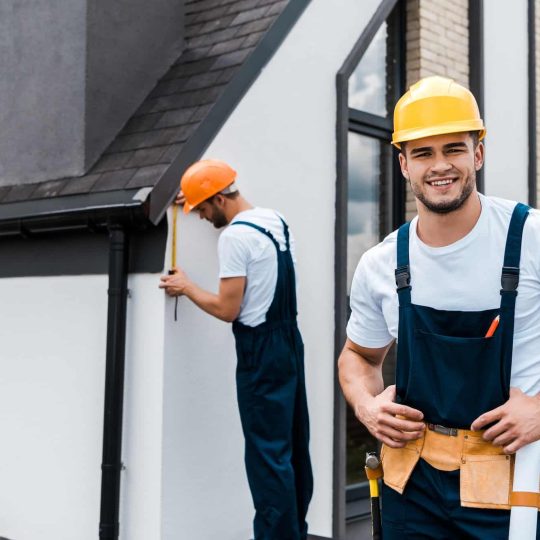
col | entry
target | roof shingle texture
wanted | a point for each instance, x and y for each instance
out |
(220, 36)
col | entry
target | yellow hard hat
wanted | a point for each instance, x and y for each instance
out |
(204, 179)
(435, 106)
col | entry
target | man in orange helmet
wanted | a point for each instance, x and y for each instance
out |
(257, 293)
(445, 285)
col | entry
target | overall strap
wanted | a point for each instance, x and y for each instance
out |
(512, 255)
(285, 232)
(282, 310)
(509, 286)
(403, 272)
(260, 229)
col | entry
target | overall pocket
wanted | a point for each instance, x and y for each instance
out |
(398, 464)
(486, 481)
(245, 352)
(446, 372)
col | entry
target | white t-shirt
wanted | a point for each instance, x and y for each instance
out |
(464, 276)
(244, 251)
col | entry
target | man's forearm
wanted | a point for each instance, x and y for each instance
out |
(225, 305)
(209, 302)
(359, 379)
(360, 375)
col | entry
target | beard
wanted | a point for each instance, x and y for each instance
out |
(445, 207)
(218, 218)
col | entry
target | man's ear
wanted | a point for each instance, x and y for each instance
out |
(403, 165)
(479, 153)
(219, 199)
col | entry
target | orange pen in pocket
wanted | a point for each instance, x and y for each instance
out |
(493, 326)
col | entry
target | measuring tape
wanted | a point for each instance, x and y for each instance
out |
(173, 253)
(174, 221)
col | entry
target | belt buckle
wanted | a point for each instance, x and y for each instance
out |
(443, 430)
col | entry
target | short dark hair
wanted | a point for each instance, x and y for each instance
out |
(232, 196)
(475, 136)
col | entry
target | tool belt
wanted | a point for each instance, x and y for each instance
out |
(486, 473)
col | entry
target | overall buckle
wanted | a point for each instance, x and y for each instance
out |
(403, 277)
(443, 430)
(510, 278)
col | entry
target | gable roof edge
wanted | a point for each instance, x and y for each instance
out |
(166, 188)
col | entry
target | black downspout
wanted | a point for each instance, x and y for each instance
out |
(114, 384)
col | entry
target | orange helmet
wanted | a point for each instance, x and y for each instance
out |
(204, 179)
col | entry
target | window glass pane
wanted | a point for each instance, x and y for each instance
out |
(363, 199)
(368, 218)
(368, 82)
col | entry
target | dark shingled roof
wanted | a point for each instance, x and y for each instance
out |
(220, 36)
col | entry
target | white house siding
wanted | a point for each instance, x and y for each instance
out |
(506, 99)
(205, 493)
(281, 139)
(52, 366)
(141, 488)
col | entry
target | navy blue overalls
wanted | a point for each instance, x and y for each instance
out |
(273, 409)
(447, 369)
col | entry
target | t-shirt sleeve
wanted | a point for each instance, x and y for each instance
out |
(367, 326)
(532, 231)
(233, 255)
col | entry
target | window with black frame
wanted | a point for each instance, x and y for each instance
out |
(375, 190)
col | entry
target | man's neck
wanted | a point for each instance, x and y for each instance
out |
(235, 207)
(438, 230)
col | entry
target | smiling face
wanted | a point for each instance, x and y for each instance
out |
(442, 170)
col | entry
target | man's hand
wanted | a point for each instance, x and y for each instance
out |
(180, 198)
(380, 416)
(517, 422)
(175, 284)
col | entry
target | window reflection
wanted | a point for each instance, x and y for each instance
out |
(367, 84)
(369, 181)
(363, 199)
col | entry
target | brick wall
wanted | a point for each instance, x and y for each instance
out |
(437, 44)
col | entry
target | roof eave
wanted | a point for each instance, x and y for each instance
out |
(91, 211)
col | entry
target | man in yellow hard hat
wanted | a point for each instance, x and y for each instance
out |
(459, 289)
(257, 293)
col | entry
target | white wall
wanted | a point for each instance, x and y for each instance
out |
(205, 493)
(141, 488)
(506, 101)
(281, 139)
(52, 372)
(52, 366)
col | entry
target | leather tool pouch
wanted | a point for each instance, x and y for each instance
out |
(486, 475)
(398, 464)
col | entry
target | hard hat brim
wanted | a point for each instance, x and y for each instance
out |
(187, 208)
(457, 127)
